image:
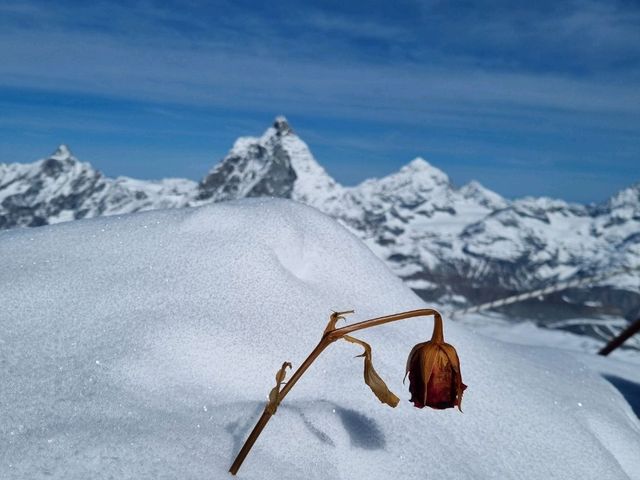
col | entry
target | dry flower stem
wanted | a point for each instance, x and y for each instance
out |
(330, 336)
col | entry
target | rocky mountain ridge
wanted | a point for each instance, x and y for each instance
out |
(452, 245)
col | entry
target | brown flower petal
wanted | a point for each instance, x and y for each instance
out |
(434, 373)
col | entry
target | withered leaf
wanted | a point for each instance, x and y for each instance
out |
(274, 395)
(371, 377)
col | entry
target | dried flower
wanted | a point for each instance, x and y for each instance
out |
(434, 373)
(433, 368)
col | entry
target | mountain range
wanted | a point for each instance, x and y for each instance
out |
(453, 245)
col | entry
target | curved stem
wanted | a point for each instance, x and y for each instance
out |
(374, 322)
(329, 337)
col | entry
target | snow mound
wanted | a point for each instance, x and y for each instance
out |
(144, 346)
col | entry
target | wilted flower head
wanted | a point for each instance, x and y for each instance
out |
(434, 372)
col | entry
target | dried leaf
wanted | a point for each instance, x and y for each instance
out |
(282, 373)
(371, 377)
(274, 394)
(333, 319)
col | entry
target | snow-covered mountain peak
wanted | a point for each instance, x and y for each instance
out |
(243, 146)
(423, 171)
(282, 125)
(417, 178)
(418, 164)
(60, 188)
(628, 197)
(63, 163)
(62, 153)
(279, 128)
(276, 164)
(487, 198)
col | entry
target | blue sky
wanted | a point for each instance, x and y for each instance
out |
(529, 98)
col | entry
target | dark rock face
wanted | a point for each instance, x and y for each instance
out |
(278, 179)
(225, 182)
(52, 167)
(262, 169)
(271, 173)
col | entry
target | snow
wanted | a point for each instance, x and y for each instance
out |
(475, 191)
(415, 219)
(313, 185)
(144, 346)
(420, 284)
(621, 368)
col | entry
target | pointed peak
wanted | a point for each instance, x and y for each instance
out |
(59, 161)
(279, 130)
(421, 168)
(474, 188)
(281, 125)
(419, 163)
(62, 152)
(417, 175)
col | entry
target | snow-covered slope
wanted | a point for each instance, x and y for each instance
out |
(144, 346)
(413, 219)
(458, 246)
(536, 242)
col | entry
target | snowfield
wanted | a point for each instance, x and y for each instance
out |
(144, 347)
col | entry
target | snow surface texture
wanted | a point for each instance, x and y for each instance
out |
(144, 347)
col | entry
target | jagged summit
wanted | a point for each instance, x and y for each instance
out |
(62, 153)
(279, 129)
(277, 164)
(281, 125)
(61, 162)
(60, 188)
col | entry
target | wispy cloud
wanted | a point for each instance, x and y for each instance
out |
(99, 64)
